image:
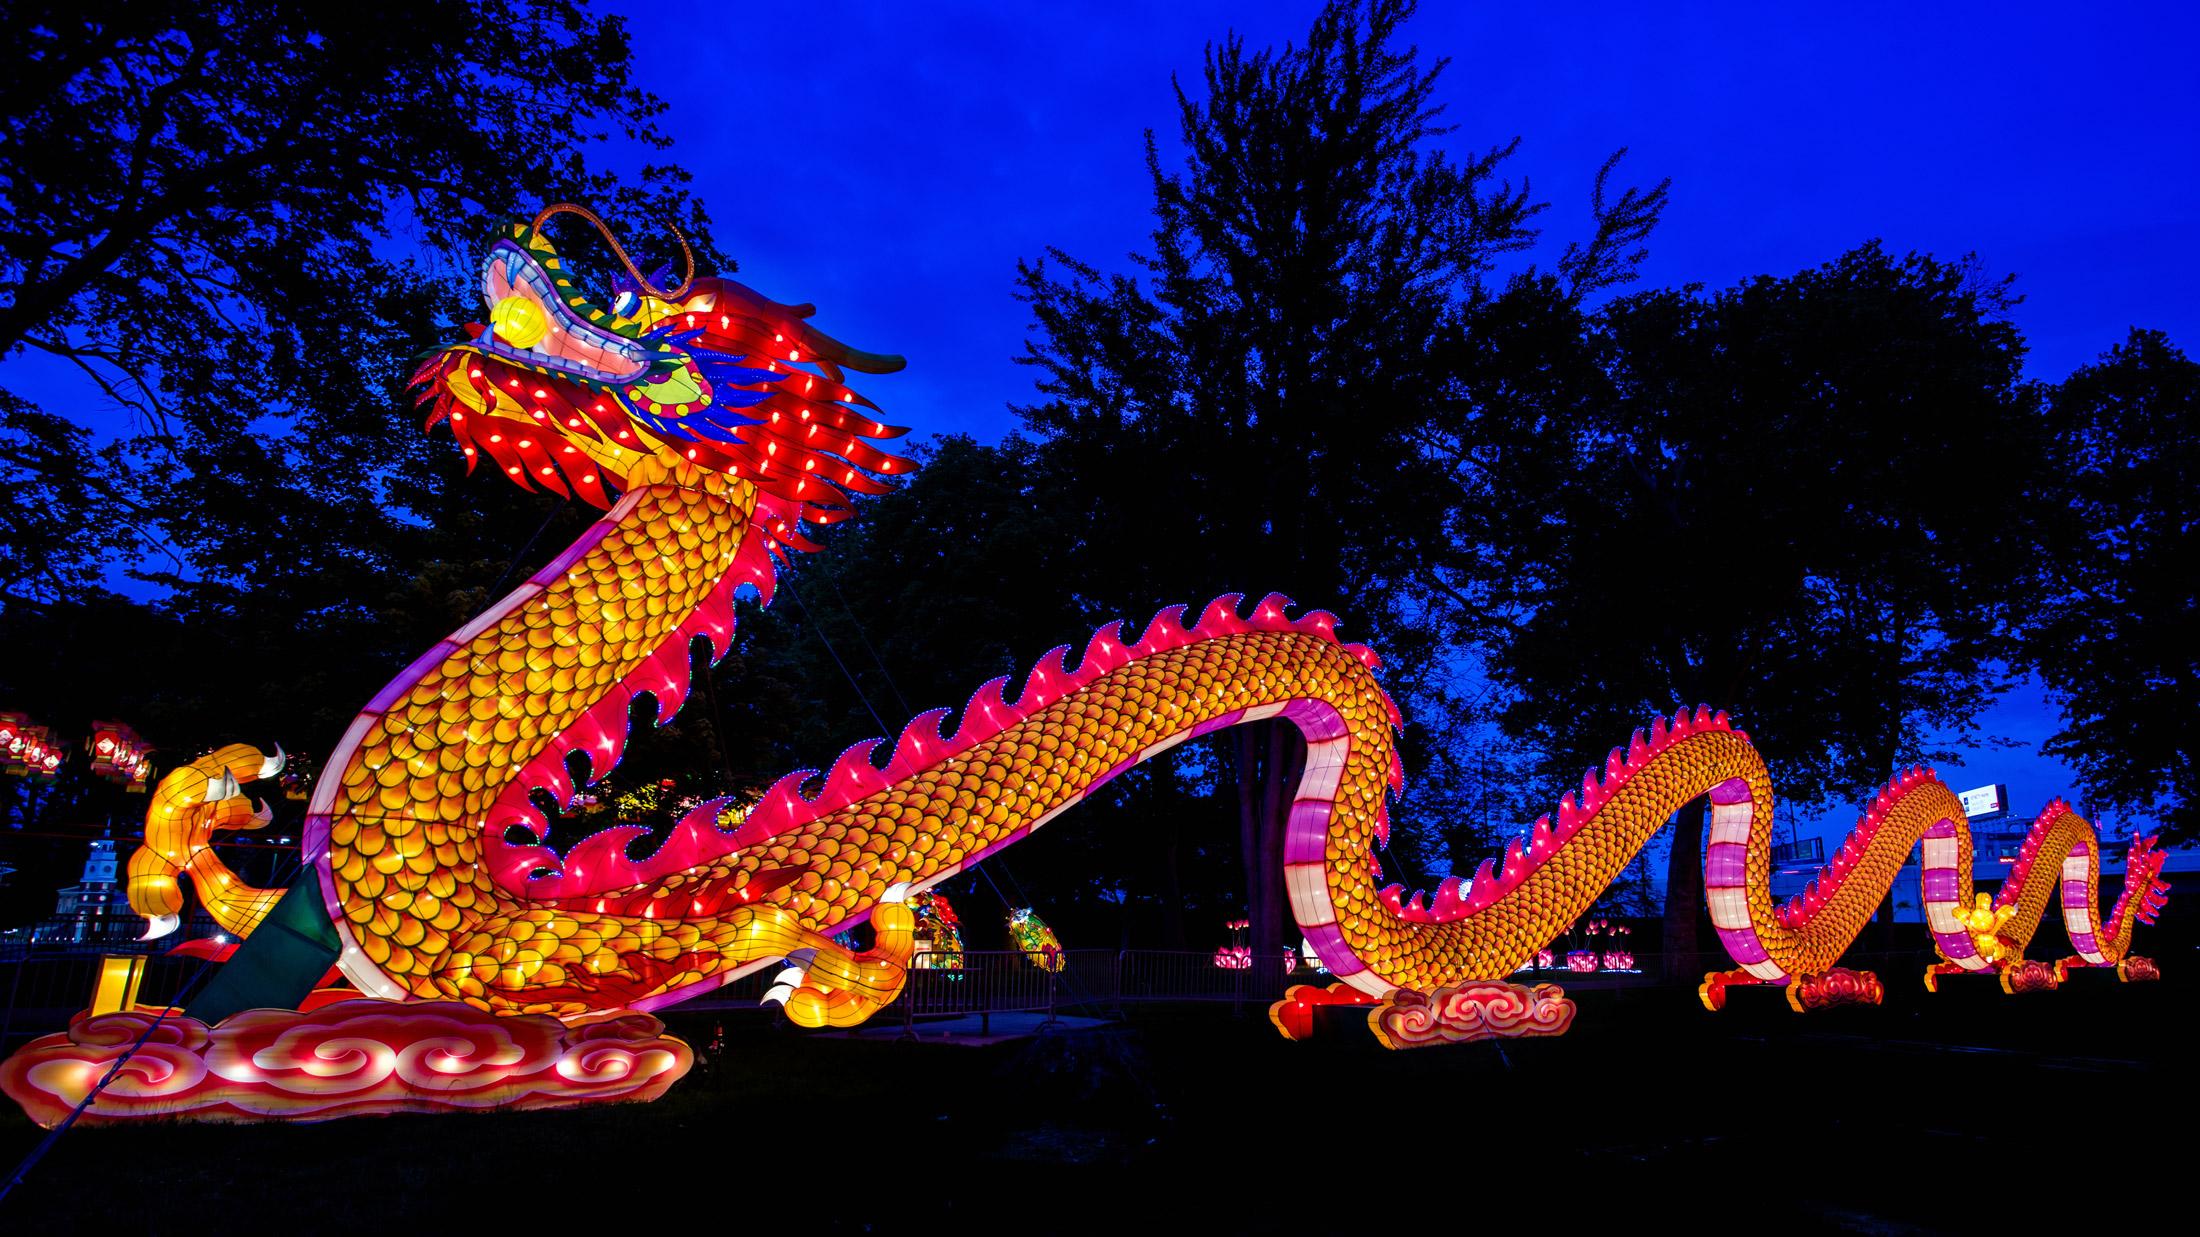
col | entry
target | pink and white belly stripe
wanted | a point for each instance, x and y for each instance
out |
(2077, 904)
(1726, 882)
(1940, 887)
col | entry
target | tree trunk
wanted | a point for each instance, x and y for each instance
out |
(1684, 898)
(1285, 758)
(1249, 748)
(1270, 758)
(1169, 800)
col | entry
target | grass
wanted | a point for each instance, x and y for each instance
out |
(1961, 1112)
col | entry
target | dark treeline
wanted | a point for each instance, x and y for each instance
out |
(1828, 501)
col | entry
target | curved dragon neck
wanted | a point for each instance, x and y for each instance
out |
(428, 776)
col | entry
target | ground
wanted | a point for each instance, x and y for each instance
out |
(1965, 1112)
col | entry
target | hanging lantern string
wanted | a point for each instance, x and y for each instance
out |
(604, 230)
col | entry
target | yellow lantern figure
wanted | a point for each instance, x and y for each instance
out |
(1984, 921)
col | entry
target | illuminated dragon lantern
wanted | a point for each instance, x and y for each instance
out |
(714, 425)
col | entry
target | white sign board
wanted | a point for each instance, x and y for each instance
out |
(1985, 801)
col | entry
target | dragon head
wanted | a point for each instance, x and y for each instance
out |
(706, 383)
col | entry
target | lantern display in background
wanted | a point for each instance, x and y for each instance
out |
(119, 755)
(297, 778)
(939, 932)
(31, 749)
(1617, 954)
(1032, 935)
(1237, 955)
(1311, 960)
(713, 425)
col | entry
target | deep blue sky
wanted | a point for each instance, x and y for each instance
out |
(892, 163)
(915, 153)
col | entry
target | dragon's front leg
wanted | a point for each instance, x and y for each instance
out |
(830, 986)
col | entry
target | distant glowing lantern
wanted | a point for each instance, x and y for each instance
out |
(119, 755)
(1035, 938)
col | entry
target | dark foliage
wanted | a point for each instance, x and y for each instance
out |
(2111, 627)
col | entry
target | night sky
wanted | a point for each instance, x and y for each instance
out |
(892, 164)
(914, 157)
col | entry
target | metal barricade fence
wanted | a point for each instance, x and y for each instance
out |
(42, 987)
(980, 982)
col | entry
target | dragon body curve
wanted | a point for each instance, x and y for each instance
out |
(722, 422)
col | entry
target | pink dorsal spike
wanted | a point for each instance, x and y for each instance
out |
(1164, 631)
(1318, 623)
(1390, 707)
(600, 861)
(986, 714)
(1638, 750)
(1220, 618)
(1516, 863)
(1272, 613)
(1104, 652)
(673, 662)
(853, 775)
(713, 619)
(611, 717)
(1047, 682)
(1450, 900)
(548, 771)
(920, 743)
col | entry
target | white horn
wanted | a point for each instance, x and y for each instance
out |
(223, 787)
(158, 926)
(272, 766)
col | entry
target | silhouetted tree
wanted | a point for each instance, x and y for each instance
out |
(1798, 499)
(1245, 413)
(2111, 627)
(244, 222)
(206, 211)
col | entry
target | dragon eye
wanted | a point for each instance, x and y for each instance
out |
(623, 303)
(519, 321)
